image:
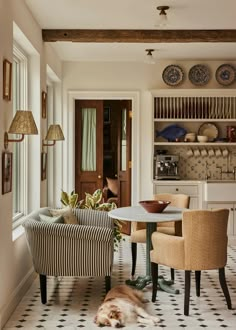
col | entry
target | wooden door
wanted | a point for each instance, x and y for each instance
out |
(88, 146)
(124, 158)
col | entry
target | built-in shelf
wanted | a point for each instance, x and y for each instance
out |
(216, 144)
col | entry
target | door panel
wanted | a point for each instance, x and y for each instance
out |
(124, 159)
(88, 146)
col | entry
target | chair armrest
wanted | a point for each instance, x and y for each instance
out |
(168, 250)
(79, 232)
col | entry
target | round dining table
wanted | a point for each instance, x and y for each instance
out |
(139, 214)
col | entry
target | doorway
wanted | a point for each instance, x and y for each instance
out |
(103, 146)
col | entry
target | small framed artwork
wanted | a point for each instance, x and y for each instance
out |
(107, 115)
(6, 172)
(7, 79)
(43, 166)
(44, 104)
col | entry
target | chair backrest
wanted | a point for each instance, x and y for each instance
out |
(178, 200)
(205, 238)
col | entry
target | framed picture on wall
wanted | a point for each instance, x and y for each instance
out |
(7, 79)
(6, 172)
(43, 166)
(44, 104)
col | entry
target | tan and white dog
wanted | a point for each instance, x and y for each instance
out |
(123, 305)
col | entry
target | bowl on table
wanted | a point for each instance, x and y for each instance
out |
(154, 206)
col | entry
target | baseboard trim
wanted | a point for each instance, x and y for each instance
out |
(16, 297)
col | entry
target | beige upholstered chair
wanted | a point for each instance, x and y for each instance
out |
(138, 234)
(202, 247)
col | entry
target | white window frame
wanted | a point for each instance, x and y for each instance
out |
(21, 194)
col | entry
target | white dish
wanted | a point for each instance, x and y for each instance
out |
(209, 130)
(202, 138)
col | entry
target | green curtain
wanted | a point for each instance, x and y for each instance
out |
(88, 139)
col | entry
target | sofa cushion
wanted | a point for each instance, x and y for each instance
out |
(50, 219)
(66, 213)
(112, 185)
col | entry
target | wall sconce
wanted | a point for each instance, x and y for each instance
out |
(23, 123)
(54, 134)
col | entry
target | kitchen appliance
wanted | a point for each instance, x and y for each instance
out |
(166, 167)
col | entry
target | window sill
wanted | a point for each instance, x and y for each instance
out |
(17, 232)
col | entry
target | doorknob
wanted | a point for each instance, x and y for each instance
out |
(116, 175)
(99, 176)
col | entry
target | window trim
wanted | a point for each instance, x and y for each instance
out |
(21, 58)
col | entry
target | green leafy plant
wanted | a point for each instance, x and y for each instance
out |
(94, 202)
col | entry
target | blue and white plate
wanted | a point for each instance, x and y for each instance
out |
(199, 75)
(173, 75)
(225, 74)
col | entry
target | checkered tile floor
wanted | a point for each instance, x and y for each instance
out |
(73, 302)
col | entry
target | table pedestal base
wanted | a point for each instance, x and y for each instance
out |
(142, 281)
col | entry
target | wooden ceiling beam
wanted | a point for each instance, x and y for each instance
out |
(139, 36)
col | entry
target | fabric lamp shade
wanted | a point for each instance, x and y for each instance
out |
(23, 123)
(55, 133)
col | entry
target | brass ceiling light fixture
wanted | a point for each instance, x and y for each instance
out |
(162, 20)
(149, 57)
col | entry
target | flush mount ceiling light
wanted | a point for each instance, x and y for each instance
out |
(162, 19)
(149, 58)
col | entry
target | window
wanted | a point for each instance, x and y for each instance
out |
(20, 154)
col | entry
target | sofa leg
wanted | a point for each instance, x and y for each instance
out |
(134, 257)
(224, 287)
(43, 288)
(187, 291)
(107, 283)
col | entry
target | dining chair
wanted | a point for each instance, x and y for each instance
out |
(203, 246)
(138, 234)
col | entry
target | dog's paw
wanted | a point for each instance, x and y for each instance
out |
(155, 320)
(144, 300)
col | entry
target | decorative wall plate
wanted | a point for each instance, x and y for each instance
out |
(209, 130)
(225, 74)
(173, 75)
(199, 75)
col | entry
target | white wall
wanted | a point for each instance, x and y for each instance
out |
(16, 270)
(111, 77)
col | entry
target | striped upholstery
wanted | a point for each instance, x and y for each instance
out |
(72, 250)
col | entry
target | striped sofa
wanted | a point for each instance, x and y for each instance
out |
(59, 249)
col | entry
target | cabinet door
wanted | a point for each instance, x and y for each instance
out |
(194, 203)
(231, 214)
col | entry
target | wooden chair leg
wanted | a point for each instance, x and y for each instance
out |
(134, 257)
(154, 270)
(43, 288)
(172, 274)
(198, 282)
(224, 287)
(187, 291)
(107, 283)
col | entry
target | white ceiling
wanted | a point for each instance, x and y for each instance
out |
(136, 14)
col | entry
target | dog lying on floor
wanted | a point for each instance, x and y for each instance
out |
(123, 305)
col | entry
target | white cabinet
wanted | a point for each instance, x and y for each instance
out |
(232, 218)
(193, 189)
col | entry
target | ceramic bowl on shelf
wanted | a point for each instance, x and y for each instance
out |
(154, 206)
(202, 138)
(190, 137)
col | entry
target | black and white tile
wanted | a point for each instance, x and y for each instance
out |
(73, 302)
